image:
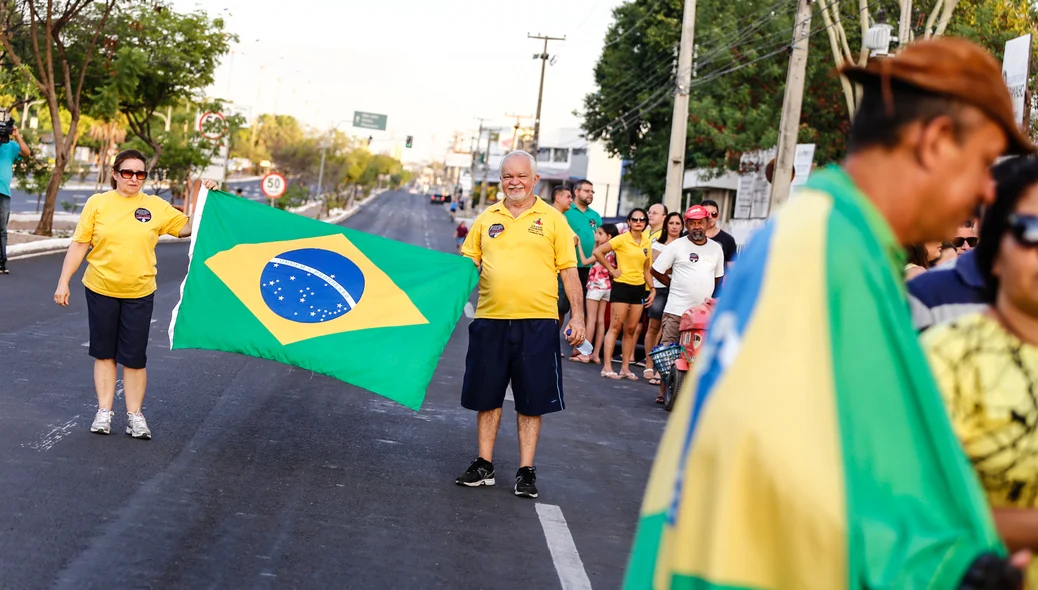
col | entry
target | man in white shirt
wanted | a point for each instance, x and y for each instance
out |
(697, 265)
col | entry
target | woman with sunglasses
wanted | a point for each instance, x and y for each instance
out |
(986, 363)
(627, 298)
(117, 233)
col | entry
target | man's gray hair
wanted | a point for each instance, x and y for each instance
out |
(516, 153)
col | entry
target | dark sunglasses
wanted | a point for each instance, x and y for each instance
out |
(1025, 229)
(639, 220)
(128, 174)
(958, 242)
(714, 215)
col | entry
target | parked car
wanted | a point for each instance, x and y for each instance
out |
(436, 199)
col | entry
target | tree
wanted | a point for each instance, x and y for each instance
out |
(159, 59)
(52, 44)
(735, 100)
(987, 22)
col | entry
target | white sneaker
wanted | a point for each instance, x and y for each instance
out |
(102, 422)
(137, 426)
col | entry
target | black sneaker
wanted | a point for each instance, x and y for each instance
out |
(480, 473)
(3, 267)
(525, 480)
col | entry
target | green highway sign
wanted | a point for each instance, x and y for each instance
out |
(369, 120)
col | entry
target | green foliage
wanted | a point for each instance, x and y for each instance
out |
(33, 173)
(294, 196)
(735, 100)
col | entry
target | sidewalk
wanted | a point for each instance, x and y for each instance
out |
(22, 243)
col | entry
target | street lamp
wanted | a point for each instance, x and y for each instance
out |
(324, 151)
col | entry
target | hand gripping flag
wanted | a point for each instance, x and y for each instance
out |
(369, 311)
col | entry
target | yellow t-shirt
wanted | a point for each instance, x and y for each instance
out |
(631, 257)
(989, 380)
(520, 260)
(123, 232)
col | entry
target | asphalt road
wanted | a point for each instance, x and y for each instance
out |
(265, 476)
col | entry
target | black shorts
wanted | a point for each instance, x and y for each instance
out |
(624, 293)
(523, 352)
(658, 304)
(564, 305)
(119, 328)
(583, 272)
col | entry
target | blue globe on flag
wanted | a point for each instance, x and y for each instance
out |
(311, 285)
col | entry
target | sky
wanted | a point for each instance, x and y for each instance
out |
(431, 67)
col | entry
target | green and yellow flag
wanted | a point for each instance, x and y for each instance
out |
(369, 311)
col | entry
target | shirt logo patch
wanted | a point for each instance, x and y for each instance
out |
(645, 251)
(692, 256)
(592, 223)
(537, 227)
(496, 230)
(142, 215)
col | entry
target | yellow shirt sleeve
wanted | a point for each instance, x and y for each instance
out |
(173, 220)
(564, 241)
(472, 247)
(85, 227)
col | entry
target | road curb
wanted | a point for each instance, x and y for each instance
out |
(51, 246)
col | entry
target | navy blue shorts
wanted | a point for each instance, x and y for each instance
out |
(119, 328)
(523, 352)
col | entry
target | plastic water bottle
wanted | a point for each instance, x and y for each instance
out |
(586, 348)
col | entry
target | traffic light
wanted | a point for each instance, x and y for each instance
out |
(408, 142)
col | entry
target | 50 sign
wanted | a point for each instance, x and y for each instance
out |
(273, 185)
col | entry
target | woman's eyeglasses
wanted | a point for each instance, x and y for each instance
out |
(1025, 229)
(958, 242)
(128, 174)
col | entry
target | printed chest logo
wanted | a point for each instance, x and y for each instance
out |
(537, 227)
(495, 230)
(592, 223)
(693, 257)
(142, 215)
(645, 251)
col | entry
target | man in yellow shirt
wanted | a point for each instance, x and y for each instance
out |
(520, 244)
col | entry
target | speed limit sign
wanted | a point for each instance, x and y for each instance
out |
(274, 185)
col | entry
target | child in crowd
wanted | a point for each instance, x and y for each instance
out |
(599, 283)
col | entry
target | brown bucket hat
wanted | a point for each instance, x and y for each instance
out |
(953, 67)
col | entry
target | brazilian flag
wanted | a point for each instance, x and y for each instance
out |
(369, 311)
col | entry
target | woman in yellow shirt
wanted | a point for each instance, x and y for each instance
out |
(627, 298)
(117, 233)
(987, 363)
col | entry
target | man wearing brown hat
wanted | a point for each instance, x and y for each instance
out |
(815, 453)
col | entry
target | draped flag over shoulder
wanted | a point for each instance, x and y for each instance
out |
(369, 311)
(811, 450)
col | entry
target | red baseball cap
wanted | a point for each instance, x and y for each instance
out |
(696, 212)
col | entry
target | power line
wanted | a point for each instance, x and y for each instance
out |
(639, 109)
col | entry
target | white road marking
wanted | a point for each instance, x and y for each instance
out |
(563, 551)
(119, 389)
(87, 343)
(508, 393)
(470, 311)
(48, 440)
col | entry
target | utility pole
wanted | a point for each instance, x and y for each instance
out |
(320, 174)
(475, 151)
(486, 172)
(679, 120)
(540, 93)
(791, 104)
(515, 134)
